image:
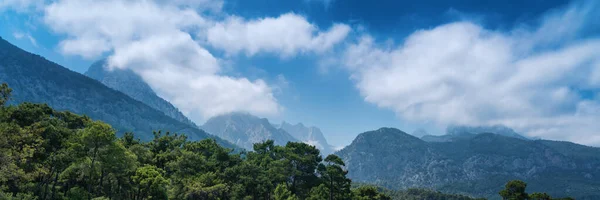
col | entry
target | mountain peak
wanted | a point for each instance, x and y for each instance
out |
(310, 135)
(244, 129)
(387, 137)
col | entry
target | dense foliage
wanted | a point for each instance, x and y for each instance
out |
(419, 194)
(48, 154)
(515, 190)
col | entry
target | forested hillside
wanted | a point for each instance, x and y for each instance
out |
(37, 80)
(49, 154)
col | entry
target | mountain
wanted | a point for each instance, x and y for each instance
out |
(37, 80)
(455, 132)
(479, 165)
(244, 130)
(126, 81)
(310, 135)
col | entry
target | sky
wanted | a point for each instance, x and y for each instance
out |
(345, 66)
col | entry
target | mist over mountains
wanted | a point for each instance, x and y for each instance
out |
(131, 84)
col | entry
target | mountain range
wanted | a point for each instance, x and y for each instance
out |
(478, 165)
(37, 80)
(475, 161)
(244, 130)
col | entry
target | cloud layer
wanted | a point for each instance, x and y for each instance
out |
(462, 73)
(163, 41)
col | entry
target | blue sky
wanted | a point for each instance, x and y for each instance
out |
(346, 66)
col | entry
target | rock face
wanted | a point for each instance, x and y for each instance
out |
(310, 135)
(133, 85)
(478, 165)
(244, 130)
(37, 80)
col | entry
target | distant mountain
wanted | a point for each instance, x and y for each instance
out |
(420, 133)
(244, 130)
(310, 135)
(37, 80)
(455, 132)
(478, 165)
(131, 84)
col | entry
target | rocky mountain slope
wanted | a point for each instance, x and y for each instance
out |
(133, 85)
(479, 165)
(244, 130)
(310, 135)
(35, 79)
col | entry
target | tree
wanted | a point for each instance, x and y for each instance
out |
(5, 93)
(539, 196)
(335, 178)
(514, 190)
(301, 161)
(368, 193)
(282, 193)
(94, 137)
(150, 183)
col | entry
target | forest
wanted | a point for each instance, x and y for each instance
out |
(50, 154)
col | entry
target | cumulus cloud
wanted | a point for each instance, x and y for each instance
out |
(285, 35)
(153, 39)
(462, 73)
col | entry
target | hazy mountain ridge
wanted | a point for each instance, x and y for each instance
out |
(477, 166)
(461, 132)
(244, 130)
(133, 85)
(310, 135)
(37, 80)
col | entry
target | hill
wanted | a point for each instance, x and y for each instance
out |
(37, 80)
(477, 166)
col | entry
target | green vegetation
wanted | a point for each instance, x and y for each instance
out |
(515, 190)
(418, 194)
(49, 154)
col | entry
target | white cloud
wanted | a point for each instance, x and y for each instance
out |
(97, 27)
(20, 35)
(462, 73)
(152, 38)
(286, 35)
